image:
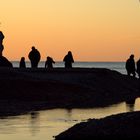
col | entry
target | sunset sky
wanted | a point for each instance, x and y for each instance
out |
(94, 30)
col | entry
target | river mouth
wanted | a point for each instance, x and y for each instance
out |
(48, 123)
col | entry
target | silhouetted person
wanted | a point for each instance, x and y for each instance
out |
(34, 57)
(138, 68)
(1, 41)
(130, 66)
(49, 62)
(22, 63)
(68, 59)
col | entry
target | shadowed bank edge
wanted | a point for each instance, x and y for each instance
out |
(125, 125)
(25, 90)
(67, 88)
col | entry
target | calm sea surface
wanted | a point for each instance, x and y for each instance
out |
(48, 123)
(118, 66)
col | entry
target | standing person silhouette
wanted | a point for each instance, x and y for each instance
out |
(138, 68)
(1, 41)
(22, 63)
(130, 66)
(34, 57)
(68, 59)
(49, 62)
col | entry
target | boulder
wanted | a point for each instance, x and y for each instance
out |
(4, 62)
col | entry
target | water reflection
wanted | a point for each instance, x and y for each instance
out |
(130, 105)
(49, 123)
(34, 123)
(69, 113)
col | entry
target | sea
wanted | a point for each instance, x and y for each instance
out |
(118, 66)
(45, 124)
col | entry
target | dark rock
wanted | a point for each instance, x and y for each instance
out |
(121, 126)
(4, 62)
(62, 88)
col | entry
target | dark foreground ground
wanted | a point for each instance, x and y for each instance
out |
(121, 126)
(22, 90)
(25, 90)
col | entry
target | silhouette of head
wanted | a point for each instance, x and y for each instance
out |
(69, 52)
(132, 56)
(23, 58)
(49, 58)
(33, 48)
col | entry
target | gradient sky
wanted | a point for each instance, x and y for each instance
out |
(94, 30)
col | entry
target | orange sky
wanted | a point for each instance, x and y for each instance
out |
(94, 30)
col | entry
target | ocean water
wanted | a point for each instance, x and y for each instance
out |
(118, 66)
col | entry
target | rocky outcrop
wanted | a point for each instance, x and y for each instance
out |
(4, 62)
(66, 88)
(121, 126)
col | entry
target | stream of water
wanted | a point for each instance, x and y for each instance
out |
(48, 123)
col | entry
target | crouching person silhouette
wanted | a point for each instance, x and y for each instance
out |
(49, 62)
(22, 63)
